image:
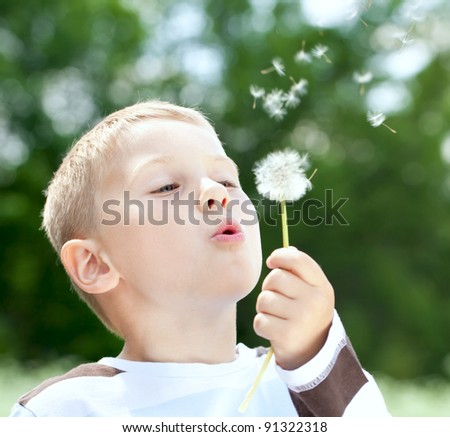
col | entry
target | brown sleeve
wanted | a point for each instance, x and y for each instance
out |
(91, 369)
(331, 396)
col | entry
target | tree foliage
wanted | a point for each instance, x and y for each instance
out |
(63, 65)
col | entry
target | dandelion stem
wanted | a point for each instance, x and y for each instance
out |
(284, 226)
(388, 127)
(267, 70)
(251, 392)
(363, 22)
(313, 174)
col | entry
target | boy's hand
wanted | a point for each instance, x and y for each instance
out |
(295, 307)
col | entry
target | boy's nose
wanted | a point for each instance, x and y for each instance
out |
(213, 196)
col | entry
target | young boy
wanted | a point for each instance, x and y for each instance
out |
(158, 237)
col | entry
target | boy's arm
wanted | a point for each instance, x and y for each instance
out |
(295, 311)
(333, 383)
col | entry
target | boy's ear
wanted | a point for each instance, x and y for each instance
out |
(90, 269)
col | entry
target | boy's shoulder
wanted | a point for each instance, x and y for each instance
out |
(67, 383)
(100, 388)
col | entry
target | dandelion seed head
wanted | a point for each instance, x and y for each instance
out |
(319, 51)
(291, 100)
(281, 176)
(357, 8)
(375, 118)
(352, 13)
(300, 87)
(406, 39)
(302, 57)
(362, 77)
(273, 104)
(274, 99)
(278, 65)
(257, 92)
(277, 113)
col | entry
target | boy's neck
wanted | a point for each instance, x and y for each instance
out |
(187, 338)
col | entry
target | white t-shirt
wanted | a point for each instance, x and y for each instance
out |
(331, 384)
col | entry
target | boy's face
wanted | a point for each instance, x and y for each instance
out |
(176, 224)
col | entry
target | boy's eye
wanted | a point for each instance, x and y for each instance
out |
(166, 188)
(228, 184)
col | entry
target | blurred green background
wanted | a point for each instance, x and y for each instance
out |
(64, 65)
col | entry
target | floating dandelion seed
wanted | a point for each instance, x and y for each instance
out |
(319, 51)
(257, 93)
(362, 79)
(358, 9)
(302, 56)
(273, 104)
(280, 176)
(299, 87)
(277, 65)
(414, 12)
(406, 39)
(277, 102)
(377, 119)
(355, 13)
(273, 99)
(278, 113)
(291, 100)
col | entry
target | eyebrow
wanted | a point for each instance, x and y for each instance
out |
(227, 160)
(167, 159)
(154, 160)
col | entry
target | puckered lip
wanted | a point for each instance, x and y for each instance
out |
(228, 231)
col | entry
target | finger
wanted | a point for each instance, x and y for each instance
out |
(299, 263)
(268, 326)
(275, 304)
(284, 282)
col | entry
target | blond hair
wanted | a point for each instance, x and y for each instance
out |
(70, 206)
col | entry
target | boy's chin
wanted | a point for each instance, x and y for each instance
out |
(244, 295)
(243, 288)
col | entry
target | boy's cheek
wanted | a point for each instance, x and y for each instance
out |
(242, 209)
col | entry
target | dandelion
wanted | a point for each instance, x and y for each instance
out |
(299, 87)
(257, 93)
(319, 51)
(277, 65)
(377, 119)
(280, 176)
(362, 79)
(302, 56)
